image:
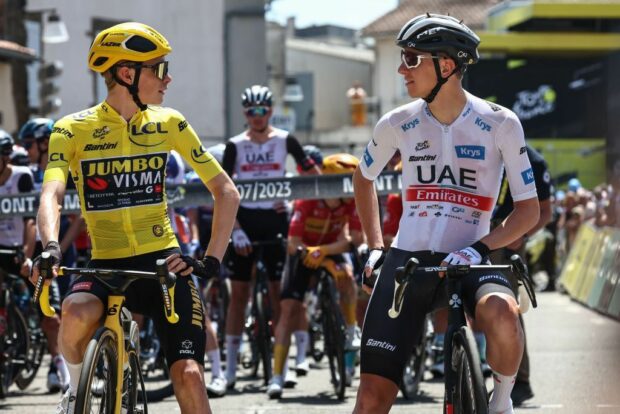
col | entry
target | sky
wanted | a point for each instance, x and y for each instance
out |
(353, 14)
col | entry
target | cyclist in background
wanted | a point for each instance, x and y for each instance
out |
(325, 229)
(258, 152)
(117, 152)
(522, 390)
(20, 231)
(34, 136)
(453, 147)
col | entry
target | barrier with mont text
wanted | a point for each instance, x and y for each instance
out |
(195, 194)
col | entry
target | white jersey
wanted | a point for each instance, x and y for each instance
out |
(12, 228)
(266, 160)
(451, 173)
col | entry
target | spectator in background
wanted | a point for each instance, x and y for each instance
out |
(357, 100)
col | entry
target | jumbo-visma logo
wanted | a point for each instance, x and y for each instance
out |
(475, 152)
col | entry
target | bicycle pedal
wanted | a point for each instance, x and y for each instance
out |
(139, 409)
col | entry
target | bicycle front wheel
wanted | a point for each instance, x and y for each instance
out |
(416, 365)
(470, 393)
(97, 387)
(34, 353)
(263, 336)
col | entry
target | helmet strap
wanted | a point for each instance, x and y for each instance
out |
(440, 80)
(133, 87)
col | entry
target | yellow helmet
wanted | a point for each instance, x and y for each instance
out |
(340, 164)
(130, 41)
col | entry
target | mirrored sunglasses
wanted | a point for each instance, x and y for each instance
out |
(412, 60)
(255, 111)
(160, 69)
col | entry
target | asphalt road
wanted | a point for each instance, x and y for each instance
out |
(575, 360)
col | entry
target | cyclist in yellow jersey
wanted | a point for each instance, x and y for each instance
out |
(116, 153)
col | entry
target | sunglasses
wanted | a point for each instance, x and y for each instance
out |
(160, 69)
(27, 144)
(412, 60)
(255, 111)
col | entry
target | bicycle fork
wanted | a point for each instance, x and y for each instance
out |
(113, 322)
(456, 319)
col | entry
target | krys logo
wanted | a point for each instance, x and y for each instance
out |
(475, 152)
(410, 125)
(483, 125)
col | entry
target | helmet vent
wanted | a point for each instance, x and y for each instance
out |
(100, 61)
(140, 44)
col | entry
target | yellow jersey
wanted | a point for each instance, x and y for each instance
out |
(119, 169)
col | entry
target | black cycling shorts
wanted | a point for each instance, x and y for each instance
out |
(297, 277)
(259, 225)
(387, 343)
(182, 340)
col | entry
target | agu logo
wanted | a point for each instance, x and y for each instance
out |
(528, 176)
(475, 152)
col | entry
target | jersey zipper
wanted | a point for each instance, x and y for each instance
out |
(125, 212)
(446, 154)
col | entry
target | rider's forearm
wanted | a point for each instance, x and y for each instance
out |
(226, 202)
(524, 216)
(74, 230)
(337, 247)
(368, 209)
(293, 243)
(48, 216)
(545, 217)
(30, 237)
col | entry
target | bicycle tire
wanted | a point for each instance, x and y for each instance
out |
(263, 336)
(8, 349)
(34, 355)
(470, 395)
(136, 391)
(334, 337)
(156, 376)
(415, 368)
(21, 339)
(100, 358)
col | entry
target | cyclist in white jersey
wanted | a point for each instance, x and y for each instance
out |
(454, 147)
(256, 153)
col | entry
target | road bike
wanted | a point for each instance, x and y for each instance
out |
(111, 377)
(15, 339)
(415, 368)
(259, 325)
(465, 390)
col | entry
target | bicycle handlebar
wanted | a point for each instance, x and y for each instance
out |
(404, 275)
(165, 279)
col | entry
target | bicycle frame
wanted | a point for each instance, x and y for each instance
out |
(114, 307)
(456, 315)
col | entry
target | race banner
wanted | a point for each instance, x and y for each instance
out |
(196, 194)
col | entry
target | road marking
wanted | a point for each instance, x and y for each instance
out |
(607, 406)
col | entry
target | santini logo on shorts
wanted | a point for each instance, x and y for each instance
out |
(381, 344)
(475, 152)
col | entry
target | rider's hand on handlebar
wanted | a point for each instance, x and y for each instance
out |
(375, 260)
(314, 256)
(53, 248)
(241, 242)
(184, 265)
